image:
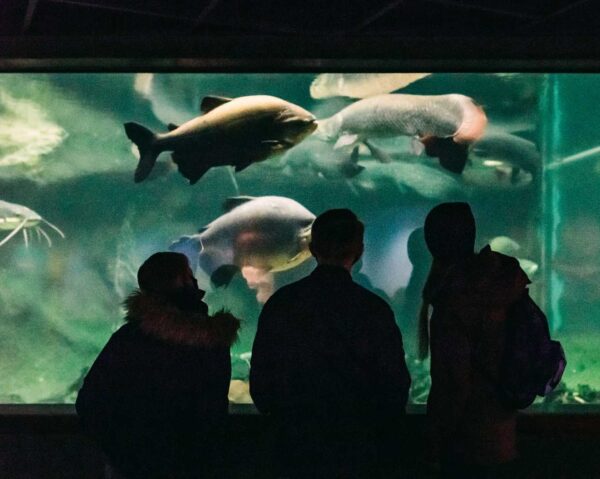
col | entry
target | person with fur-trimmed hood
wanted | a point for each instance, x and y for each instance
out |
(155, 399)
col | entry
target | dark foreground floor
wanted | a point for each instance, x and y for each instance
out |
(50, 446)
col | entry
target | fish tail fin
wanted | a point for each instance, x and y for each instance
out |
(144, 139)
(453, 156)
(190, 246)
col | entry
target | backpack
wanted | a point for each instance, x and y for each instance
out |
(532, 364)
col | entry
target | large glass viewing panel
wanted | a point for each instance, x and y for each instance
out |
(522, 149)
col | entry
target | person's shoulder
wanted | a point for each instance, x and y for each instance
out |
(489, 262)
(287, 292)
(369, 297)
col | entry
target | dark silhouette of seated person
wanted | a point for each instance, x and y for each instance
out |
(472, 434)
(155, 399)
(328, 364)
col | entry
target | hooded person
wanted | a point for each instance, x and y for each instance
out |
(471, 432)
(155, 399)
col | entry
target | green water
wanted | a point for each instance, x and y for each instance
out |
(64, 154)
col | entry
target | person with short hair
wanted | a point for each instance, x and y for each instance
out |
(328, 364)
(155, 399)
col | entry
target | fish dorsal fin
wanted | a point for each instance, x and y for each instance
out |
(211, 102)
(172, 126)
(235, 201)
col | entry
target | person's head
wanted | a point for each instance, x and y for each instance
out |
(450, 237)
(337, 238)
(168, 275)
(450, 231)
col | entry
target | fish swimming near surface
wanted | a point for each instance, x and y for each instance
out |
(257, 236)
(445, 124)
(235, 132)
(504, 149)
(18, 218)
(360, 85)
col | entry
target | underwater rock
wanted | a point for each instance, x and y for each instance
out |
(239, 392)
(26, 135)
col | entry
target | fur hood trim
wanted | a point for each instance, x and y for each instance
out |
(164, 321)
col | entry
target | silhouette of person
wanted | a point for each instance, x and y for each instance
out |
(471, 432)
(328, 364)
(155, 399)
(409, 309)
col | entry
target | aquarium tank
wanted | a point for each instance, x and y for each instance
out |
(100, 170)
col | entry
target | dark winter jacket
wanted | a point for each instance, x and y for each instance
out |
(328, 366)
(468, 423)
(156, 396)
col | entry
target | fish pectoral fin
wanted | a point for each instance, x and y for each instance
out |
(223, 275)
(211, 102)
(345, 140)
(378, 153)
(416, 146)
(172, 126)
(514, 175)
(235, 201)
(351, 168)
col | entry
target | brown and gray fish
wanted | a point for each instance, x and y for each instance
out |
(235, 132)
(445, 124)
(255, 236)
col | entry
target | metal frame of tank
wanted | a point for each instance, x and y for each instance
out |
(313, 54)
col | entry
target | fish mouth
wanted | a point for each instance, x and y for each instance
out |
(311, 124)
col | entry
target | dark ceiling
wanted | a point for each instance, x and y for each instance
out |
(531, 35)
(20, 18)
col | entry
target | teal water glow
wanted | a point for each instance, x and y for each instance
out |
(65, 156)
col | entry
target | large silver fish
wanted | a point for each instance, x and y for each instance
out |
(257, 236)
(360, 85)
(236, 132)
(445, 124)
